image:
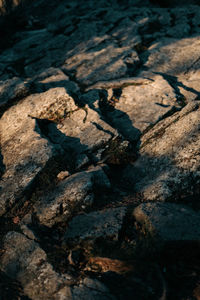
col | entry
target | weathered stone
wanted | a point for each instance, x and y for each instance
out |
(25, 261)
(169, 161)
(141, 105)
(86, 131)
(12, 89)
(163, 56)
(169, 221)
(91, 289)
(25, 152)
(105, 224)
(190, 86)
(103, 64)
(53, 78)
(106, 81)
(72, 194)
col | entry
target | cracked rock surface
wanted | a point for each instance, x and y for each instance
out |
(99, 150)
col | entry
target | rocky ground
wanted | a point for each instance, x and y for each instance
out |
(100, 150)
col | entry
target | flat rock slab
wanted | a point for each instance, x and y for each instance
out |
(25, 261)
(24, 148)
(104, 224)
(169, 160)
(86, 131)
(169, 221)
(174, 56)
(71, 195)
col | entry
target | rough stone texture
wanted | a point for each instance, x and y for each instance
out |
(91, 289)
(25, 261)
(169, 161)
(12, 89)
(25, 152)
(163, 56)
(72, 194)
(104, 224)
(86, 130)
(169, 221)
(142, 104)
(99, 111)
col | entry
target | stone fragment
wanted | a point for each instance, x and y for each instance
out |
(12, 89)
(104, 224)
(72, 194)
(169, 161)
(169, 221)
(25, 261)
(62, 175)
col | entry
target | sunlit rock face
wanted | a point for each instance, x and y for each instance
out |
(99, 149)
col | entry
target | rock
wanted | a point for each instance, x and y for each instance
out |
(62, 175)
(112, 118)
(108, 61)
(163, 56)
(169, 221)
(12, 89)
(72, 194)
(104, 224)
(25, 261)
(91, 289)
(25, 150)
(141, 104)
(53, 78)
(168, 165)
(189, 86)
(85, 130)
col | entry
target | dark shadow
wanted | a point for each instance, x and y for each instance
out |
(10, 288)
(74, 151)
(117, 118)
(176, 84)
(2, 166)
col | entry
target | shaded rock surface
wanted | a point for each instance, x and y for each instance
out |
(101, 224)
(169, 221)
(169, 159)
(99, 117)
(72, 194)
(26, 261)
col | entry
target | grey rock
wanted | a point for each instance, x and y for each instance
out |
(168, 163)
(102, 64)
(53, 78)
(189, 86)
(72, 194)
(140, 106)
(169, 221)
(91, 289)
(86, 130)
(105, 224)
(25, 152)
(163, 56)
(25, 261)
(12, 89)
